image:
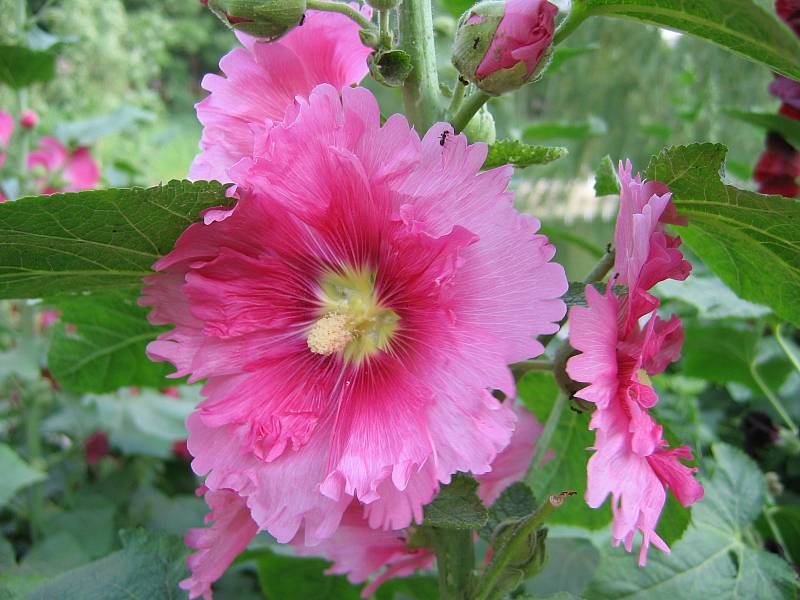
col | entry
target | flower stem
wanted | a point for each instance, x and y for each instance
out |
(421, 89)
(575, 17)
(343, 8)
(785, 347)
(385, 34)
(512, 548)
(455, 560)
(773, 399)
(471, 105)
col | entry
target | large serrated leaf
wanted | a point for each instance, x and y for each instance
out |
(100, 344)
(457, 506)
(751, 241)
(96, 239)
(741, 26)
(712, 560)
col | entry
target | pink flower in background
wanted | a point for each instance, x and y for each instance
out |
(6, 128)
(65, 170)
(262, 80)
(632, 461)
(95, 447)
(29, 119)
(523, 35)
(351, 315)
(360, 552)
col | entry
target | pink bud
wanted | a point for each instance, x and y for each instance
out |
(95, 447)
(29, 119)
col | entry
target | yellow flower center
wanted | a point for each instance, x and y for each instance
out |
(351, 319)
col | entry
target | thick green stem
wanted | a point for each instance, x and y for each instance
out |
(455, 560)
(773, 399)
(576, 16)
(421, 93)
(343, 8)
(469, 107)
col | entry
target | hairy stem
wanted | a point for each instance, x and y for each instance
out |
(421, 90)
(342, 8)
(458, 95)
(455, 560)
(576, 16)
(471, 105)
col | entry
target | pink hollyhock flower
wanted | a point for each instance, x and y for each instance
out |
(351, 315)
(73, 171)
(645, 253)
(523, 35)
(29, 119)
(262, 80)
(6, 128)
(360, 552)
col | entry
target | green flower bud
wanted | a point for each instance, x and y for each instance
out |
(383, 4)
(266, 19)
(481, 127)
(502, 45)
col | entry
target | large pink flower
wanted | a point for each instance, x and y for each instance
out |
(64, 170)
(352, 314)
(262, 80)
(359, 551)
(632, 461)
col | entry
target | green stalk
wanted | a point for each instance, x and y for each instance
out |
(773, 399)
(575, 17)
(342, 8)
(421, 90)
(786, 349)
(458, 95)
(455, 560)
(385, 34)
(469, 107)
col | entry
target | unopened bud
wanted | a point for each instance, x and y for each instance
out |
(29, 119)
(481, 127)
(501, 46)
(265, 19)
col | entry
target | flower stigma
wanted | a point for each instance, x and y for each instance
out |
(352, 321)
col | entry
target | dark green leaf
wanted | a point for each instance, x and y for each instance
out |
(283, 577)
(740, 26)
(17, 474)
(457, 7)
(788, 128)
(96, 239)
(149, 566)
(540, 132)
(786, 519)
(390, 67)
(416, 587)
(515, 502)
(20, 66)
(106, 351)
(521, 155)
(457, 506)
(570, 566)
(605, 178)
(712, 560)
(752, 242)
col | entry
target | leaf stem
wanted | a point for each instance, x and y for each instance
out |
(471, 105)
(543, 443)
(785, 347)
(573, 20)
(385, 35)
(523, 531)
(773, 399)
(421, 89)
(342, 8)
(455, 560)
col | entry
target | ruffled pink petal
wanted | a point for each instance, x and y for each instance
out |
(217, 546)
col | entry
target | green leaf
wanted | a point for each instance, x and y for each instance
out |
(20, 66)
(148, 566)
(787, 521)
(88, 131)
(457, 506)
(390, 67)
(457, 7)
(17, 474)
(521, 155)
(568, 130)
(54, 555)
(712, 560)
(561, 56)
(605, 178)
(752, 242)
(95, 239)
(91, 526)
(416, 587)
(789, 129)
(283, 576)
(712, 298)
(515, 502)
(570, 566)
(106, 351)
(740, 26)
